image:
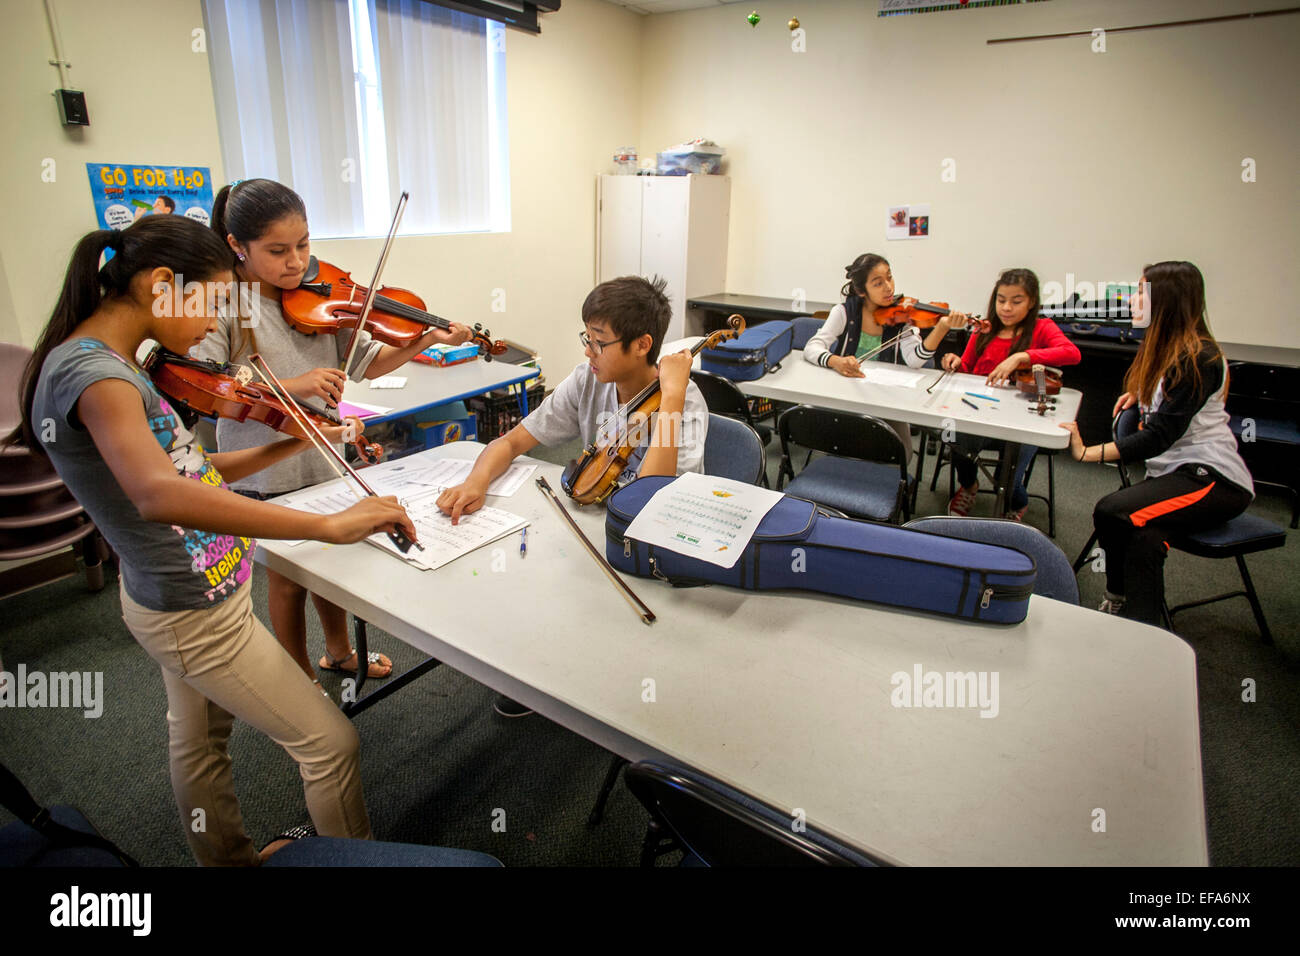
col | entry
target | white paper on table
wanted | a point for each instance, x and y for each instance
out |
(444, 542)
(405, 477)
(703, 516)
(879, 373)
(389, 381)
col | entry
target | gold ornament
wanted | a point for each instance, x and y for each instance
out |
(794, 23)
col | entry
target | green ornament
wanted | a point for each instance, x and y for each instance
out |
(753, 18)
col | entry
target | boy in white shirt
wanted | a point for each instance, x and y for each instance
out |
(625, 322)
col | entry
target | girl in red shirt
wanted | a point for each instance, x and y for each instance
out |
(1018, 338)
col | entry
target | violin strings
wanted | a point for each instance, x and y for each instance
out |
(299, 419)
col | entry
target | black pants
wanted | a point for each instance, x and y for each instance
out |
(1134, 523)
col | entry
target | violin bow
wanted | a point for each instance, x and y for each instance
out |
(373, 288)
(643, 612)
(322, 444)
(936, 382)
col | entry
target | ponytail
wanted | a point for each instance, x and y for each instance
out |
(171, 242)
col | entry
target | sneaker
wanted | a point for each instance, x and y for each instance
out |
(959, 506)
(1016, 514)
(506, 707)
(1111, 604)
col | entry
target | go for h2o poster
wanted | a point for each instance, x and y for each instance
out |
(124, 193)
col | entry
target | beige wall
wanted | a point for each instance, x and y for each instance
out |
(574, 95)
(1067, 160)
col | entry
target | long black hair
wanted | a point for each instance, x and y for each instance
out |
(1026, 279)
(858, 270)
(171, 242)
(246, 208)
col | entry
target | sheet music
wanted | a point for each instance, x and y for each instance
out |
(412, 478)
(879, 373)
(442, 541)
(704, 517)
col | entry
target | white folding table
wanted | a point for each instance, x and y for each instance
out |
(1093, 757)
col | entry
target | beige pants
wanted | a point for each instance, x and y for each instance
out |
(220, 664)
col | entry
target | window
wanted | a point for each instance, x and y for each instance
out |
(352, 101)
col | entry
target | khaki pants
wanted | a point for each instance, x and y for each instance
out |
(220, 664)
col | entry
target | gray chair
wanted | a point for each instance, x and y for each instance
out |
(733, 450)
(723, 398)
(718, 826)
(1055, 576)
(864, 471)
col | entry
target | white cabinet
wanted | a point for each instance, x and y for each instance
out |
(672, 226)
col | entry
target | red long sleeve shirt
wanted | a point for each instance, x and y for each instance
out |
(1049, 346)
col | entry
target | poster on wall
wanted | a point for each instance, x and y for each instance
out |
(908, 221)
(124, 193)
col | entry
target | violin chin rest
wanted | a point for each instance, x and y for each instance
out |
(313, 270)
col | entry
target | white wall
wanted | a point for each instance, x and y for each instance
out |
(573, 93)
(1067, 160)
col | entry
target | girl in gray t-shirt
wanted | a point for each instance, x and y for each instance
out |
(184, 542)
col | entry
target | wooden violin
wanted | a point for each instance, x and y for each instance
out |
(924, 315)
(225, 391)
(328, 301)
(594, 475)
(1038, 382)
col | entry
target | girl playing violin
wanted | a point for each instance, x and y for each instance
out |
(1195, 477)
(264, 224)
(839, 342)
(184, 541)
(1017, 338)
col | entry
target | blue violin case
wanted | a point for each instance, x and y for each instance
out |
(796, 546)
(752, 354)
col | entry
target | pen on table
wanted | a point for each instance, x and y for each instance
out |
(987, 398)
(523, 542)
(971, 404)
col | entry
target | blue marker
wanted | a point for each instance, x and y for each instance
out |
(971, 404)
(987, 398)
(523, 542)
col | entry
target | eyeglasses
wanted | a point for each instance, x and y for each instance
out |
(597, 347)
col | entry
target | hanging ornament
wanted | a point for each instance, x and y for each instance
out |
(793, 24)
(753, 18)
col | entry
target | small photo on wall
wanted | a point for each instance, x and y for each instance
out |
(911, 221)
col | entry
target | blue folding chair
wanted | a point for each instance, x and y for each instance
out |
(864, 471)
(733, 450)
(718, 826)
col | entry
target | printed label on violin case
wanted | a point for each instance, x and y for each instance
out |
(752, 354)
(797, 547)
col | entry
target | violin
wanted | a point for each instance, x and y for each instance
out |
(594, 475)
(225, 391)
(328, 300)
(924, 315)
(1039, 382)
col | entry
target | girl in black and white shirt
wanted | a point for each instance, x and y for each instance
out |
(1195, 477)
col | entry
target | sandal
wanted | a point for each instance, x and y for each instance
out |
(374, 660)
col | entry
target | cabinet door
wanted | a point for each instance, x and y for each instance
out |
(620, 226)
(665, 220)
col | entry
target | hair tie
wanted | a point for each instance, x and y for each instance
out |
(114, 241)
(234, 184)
